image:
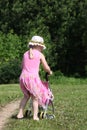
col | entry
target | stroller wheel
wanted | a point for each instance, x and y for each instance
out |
(28, 113)
(50, 116)
(41, 115)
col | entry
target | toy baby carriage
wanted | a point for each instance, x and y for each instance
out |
(47, 111)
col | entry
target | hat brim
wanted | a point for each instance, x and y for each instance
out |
(37, 44)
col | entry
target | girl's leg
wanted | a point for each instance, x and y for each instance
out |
(22, 106)
(35, 108)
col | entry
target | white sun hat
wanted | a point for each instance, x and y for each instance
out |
(37, 40)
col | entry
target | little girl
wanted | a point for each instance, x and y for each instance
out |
(30, 82)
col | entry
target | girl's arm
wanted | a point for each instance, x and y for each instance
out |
(45, 64)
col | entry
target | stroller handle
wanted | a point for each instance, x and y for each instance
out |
(46, 76)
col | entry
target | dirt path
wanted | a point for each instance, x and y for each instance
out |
(7, 111)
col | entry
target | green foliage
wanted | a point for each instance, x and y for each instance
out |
(61, 23)
(10, 71)
(10, 46)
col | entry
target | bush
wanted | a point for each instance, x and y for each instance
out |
(9, 72)
(10, 46)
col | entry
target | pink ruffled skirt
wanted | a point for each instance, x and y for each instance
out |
(33, 85)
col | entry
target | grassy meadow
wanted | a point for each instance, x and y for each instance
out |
(9, 92)
(70, 104)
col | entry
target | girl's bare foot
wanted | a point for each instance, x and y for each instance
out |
(19, 116)
(37, 119)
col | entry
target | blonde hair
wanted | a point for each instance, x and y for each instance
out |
(30, 52)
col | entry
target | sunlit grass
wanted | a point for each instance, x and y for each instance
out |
(9, 92)
(70, 104)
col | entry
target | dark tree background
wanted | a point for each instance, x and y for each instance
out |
(63, 25)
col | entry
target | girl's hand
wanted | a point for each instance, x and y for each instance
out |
(50, 73)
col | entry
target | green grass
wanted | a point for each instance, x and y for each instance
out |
(8, 93)
(70, 108)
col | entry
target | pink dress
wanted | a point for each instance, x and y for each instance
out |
(30, 82)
